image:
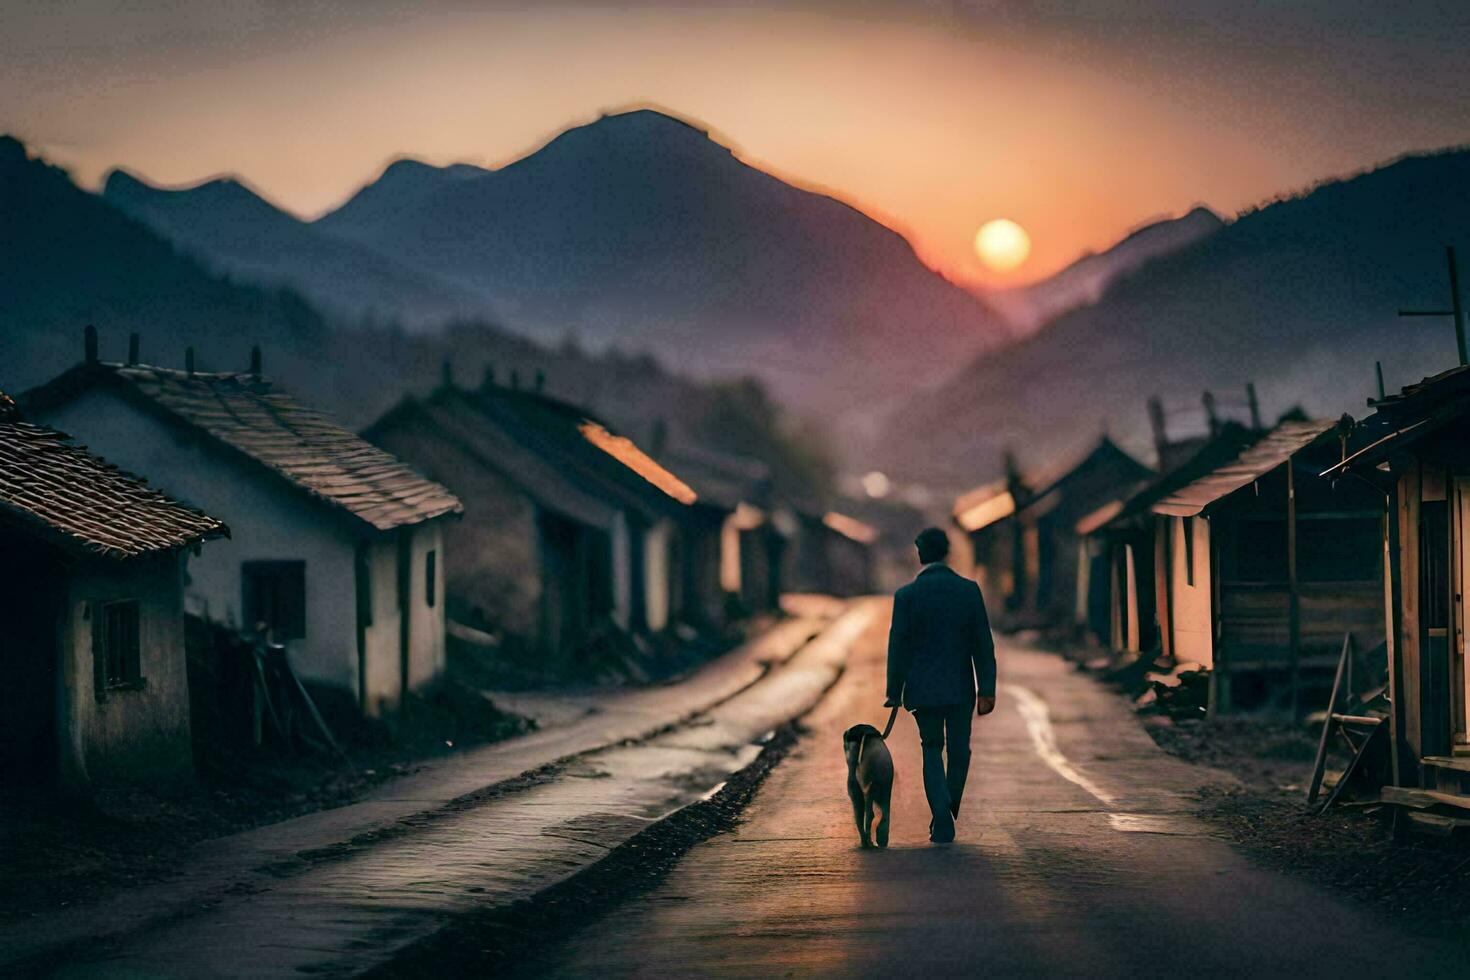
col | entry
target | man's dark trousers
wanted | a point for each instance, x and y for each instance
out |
(945, 786)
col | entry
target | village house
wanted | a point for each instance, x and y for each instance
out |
(91, 598)
(1119, 592)
(1416, 459)
(569, 527)
(827, 552)
(750, 547)
(1266, 567)
(337, 547)
(1023, 531)
(984, 516)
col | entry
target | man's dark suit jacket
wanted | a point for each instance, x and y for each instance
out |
(939, 645)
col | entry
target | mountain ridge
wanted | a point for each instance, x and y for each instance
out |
(1298, 296)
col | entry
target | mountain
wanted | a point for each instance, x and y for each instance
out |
(640, 231)
(1085, 280)
(1299, 296)
(233, 230)
(69, 258)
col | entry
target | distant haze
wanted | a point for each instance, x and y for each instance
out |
(932, 117)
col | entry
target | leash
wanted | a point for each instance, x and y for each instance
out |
(892, 717)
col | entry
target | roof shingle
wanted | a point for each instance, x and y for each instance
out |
(307, 447)
(51, 483)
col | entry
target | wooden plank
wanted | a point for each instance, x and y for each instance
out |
(1320, 765)
(1423, 798)
(1294, 612)
(1409, 689)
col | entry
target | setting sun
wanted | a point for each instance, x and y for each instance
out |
(1002, 245)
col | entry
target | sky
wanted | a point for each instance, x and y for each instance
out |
(1080, 121)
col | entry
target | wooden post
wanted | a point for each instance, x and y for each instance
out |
(1457, 308)
(1294, 625)
(1255, 404)
(1159, 426)
(1378, 369)
(1213, 420)
(1320, 767)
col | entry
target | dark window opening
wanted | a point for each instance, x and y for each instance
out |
(1260, 550)
(1346, 549)
(117, 644)
(1188, 525)
(275, 594)
(362, 579)
(431, 574)
(1434, 565)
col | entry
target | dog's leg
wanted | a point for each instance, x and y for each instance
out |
(855, 793)
(868, 818)
(882, 803)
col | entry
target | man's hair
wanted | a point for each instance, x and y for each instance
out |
(933, 545)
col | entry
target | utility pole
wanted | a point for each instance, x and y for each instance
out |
(1457, 307)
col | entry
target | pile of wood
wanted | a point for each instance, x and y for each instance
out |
(1156, 684)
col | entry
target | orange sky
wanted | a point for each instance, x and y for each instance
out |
(934, 121)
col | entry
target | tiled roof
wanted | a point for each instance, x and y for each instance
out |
(308, 448)
(983, 506)
(581, 446)
(1273, 449)
(452, 415)
(52, 484)
(850, 527)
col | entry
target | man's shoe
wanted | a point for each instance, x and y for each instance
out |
(941, 837)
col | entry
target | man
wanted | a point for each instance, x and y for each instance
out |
(939, 652)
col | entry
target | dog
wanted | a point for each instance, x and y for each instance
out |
(869, 782)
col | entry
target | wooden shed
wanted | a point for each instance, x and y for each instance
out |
(986, 516)
(749, 554)
(91, 599)
(1268, 566)
(1119, 592)
(1023, 530)
(1416, 452)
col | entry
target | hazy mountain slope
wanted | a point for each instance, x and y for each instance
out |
(233, 230)
(69, 258)
(639, 230)
(1299, 296)
(1085, 280)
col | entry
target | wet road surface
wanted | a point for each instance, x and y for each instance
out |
(1076, 856)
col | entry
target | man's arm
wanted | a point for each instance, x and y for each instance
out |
(899, 653)
(982, 652)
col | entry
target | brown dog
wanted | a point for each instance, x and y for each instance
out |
(869, 782)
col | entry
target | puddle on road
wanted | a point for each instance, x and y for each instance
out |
(1154, 823)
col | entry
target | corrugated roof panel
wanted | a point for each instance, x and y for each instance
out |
(1273, 449)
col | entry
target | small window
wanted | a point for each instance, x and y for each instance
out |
(431, 576)
(1188, 532)
(275, 594)
(116, 645)
(362, 572)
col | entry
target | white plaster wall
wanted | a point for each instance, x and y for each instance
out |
(656, 573)
(125, 734)
(622, 572)
(1191, 620)
(426, 622)
(268, 519)
(381, 639)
